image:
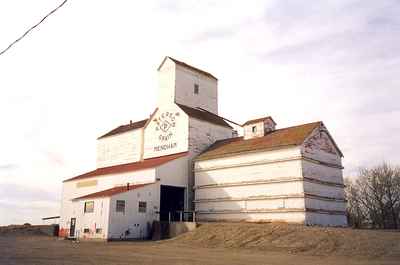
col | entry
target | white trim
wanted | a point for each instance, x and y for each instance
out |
(266, 197)
(283, 210)
(268, 181)
(265, 162)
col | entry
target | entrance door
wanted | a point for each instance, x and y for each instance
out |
(72, 227)
(171, 200)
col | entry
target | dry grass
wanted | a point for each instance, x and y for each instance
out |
(21, 230)
(211, 244)
(295, 239)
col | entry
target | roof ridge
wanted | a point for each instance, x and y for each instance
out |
(114, 190)
(202, 114)
(121, 128)
(294, 126)
(127, 167)
(258, 120)
(191, 67)
(289, 136)
(280, 129)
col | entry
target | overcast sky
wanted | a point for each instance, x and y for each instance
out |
(92, 66)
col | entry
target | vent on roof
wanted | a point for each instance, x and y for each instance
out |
(258, 127)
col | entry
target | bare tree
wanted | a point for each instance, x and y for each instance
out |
(355, 213)
(374, 197)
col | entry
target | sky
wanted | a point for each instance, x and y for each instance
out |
(92, 66)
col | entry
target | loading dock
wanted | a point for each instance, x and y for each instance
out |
(172, 200)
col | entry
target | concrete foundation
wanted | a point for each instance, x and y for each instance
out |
(165, 230)
(177, 228)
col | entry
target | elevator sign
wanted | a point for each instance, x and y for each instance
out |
(165, 128)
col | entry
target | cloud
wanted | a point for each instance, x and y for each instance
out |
(26, 211)
(169, 6)
(22, 203)
(16, 192)
(8, 167)
(213, 34)
(55, 158)
(335, 60)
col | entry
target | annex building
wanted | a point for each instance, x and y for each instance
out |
(185, 157)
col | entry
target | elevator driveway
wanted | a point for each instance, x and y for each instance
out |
(41, 250)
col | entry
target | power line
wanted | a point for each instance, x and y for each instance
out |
(33, 27)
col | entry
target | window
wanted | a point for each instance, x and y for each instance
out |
(142, 207)
(196, 89)
(120, 206)
(89, 207)
(98, 230)
(86, 230)
(254, 129)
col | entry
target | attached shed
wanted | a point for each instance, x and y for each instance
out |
(124, 212)
(292, 174)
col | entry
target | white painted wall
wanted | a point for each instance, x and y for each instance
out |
(138, 224)
(202, 134)
(249, 172)
(118, 149)
(251, 204)
(320, 147)
(322, 172)
(240, 191)
(71, 189)
(291, 217)
(324, 190)
(158, 142)
(248, 130)
(250, 158)
(319, 204)
(326, 219)
(249, 185)
(252, 186)
(166, 84)
(176, 84)
(261, 128)
(113, 223)
(98, 219)
(174, 173)
(207, 98)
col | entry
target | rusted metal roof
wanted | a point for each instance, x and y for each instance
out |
(291, 136)
(140, 165)
(259, 120)
(204, 115)
(125, 128)
(113, 191)
(188, 66)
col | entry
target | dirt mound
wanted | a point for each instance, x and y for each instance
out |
(295, 239)
(23, 230)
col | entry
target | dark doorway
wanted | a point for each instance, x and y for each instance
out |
(72, 227)
(171, 200)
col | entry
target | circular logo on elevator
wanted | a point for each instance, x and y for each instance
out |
(164, 123)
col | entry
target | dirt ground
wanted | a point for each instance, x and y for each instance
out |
(235, 244)
(281, 237)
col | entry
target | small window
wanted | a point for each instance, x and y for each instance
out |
(98, 230)
(142, 207)
(120, 206)
(89, 207)
(196, 89)
(86, 230)
(254, 129)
